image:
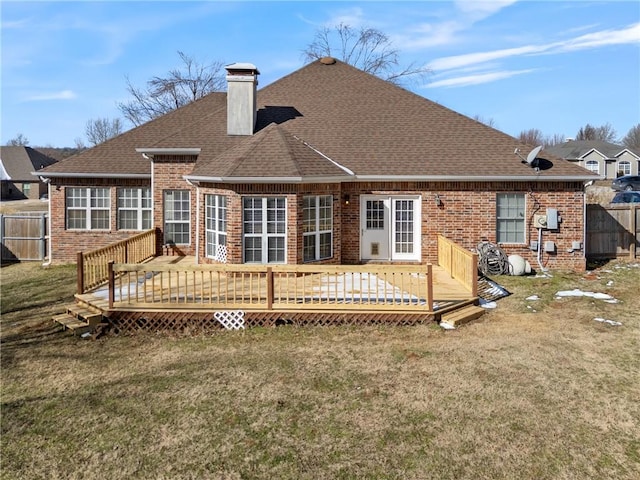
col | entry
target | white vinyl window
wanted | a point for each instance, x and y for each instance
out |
(216, 226)
(177, 217)
(88, 208)
(593, 166)
(318, 227)
(134, 208)
(264, 221)
(510, 211)
(624, 168)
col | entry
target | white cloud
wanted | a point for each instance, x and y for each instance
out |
(628, 35)
(61, 95)
(477, 79)
(482, 8)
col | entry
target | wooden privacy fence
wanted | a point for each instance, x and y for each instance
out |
(271, 288)
(613, 231)
(93, 267)
(23, 236)
(460, 263)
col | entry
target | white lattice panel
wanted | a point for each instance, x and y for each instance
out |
(221, 253)
(231, 319)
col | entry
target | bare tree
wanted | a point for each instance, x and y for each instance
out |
(489, 122)
(18, 141)
(605, 133)
(555, 139)
(632, 138)
(181, 86)
(368, 49)
(102, 129)
(533, 136)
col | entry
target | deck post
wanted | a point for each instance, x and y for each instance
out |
(80, 270)
(429, 287)
(474, 275)
(112, 285)
(269, 288)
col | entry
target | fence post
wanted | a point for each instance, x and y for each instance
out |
(43, 236)
(112, 285)
(429, 287)
(269, 288)
(633, 236)
(80, 270)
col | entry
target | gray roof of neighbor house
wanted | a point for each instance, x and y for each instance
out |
(325, 122)
(576, 149)
(19, 161)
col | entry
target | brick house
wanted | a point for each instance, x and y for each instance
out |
(328, 164)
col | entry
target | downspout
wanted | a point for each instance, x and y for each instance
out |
(49, 242)
(197, 227)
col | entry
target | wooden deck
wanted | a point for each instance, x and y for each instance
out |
(173, 292)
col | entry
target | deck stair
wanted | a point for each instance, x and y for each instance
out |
(463, 315)
(80, 319)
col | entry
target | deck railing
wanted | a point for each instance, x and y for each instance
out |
(276, 287)
(93, 266)
(461, 264)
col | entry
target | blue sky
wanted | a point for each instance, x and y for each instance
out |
(550, 65)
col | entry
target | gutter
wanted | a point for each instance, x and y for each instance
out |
(150, 152)
(91, 175)
(394, 178)
(291, 180)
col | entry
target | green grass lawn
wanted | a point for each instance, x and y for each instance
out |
(534, 390)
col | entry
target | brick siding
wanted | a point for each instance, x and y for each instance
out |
(467, 215)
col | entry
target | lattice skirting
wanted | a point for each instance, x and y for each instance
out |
(209, 322)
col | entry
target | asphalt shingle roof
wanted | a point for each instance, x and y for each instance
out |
(20, 161)
(319, 112)
(575, 149)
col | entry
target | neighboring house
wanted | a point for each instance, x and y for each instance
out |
(328, 164)
(16, 167)
(603, 158)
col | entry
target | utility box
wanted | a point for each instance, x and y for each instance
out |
(552, 218)
(576, 245)
(540, 221)
(549, 246)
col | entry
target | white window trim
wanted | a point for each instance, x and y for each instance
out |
(523, 219)
(139, 209)
(265, 235)
(87, 208)
(627, 169)
(217, 233)
(176, 222)
(317, 233)
(592, 162)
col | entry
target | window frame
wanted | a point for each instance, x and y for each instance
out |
(589, 163)
(269, 228)
(626, 170)
(139, 199)
(86, 198)
(517, 219)
(181, 221)
(216, 223)
(314, 236)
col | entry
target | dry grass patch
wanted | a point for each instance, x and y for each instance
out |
(521, 394)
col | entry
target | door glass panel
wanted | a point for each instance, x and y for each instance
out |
(375, 214)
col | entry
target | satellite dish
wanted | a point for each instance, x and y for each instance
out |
(533, 154)
(531, 158)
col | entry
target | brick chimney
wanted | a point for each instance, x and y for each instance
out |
(242, 83)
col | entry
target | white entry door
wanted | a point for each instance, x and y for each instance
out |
(390, 228)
